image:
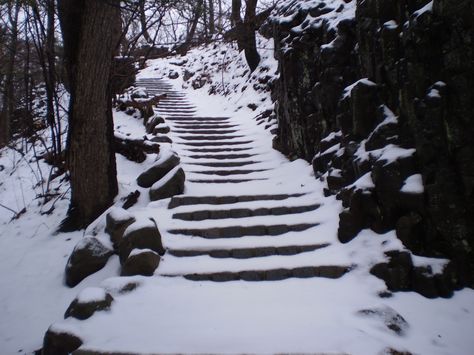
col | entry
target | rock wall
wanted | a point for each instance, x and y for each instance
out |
(379, 95)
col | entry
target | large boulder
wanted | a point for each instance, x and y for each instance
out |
(117, 220)
(172, 184)
(165, 163)
(88, 257)
(143, 234)
(89, 301)
(57, 342)
(140, 262)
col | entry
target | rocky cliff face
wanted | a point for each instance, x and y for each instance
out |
(379, 95)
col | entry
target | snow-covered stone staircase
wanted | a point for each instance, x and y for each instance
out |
(239, 224)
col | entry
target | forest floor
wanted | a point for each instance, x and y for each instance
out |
(283, 229)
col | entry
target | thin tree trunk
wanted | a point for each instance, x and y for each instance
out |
(205, 19)
(9, 90)
(235, 16)
(51, 76)
(90, 43)
(249, 41)
(197, 14)
(212, 25)
(220, 16)
(143, 21)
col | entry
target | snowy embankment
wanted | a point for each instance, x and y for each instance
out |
(173, 315)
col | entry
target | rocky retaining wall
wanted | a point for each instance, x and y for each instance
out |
(379, 95)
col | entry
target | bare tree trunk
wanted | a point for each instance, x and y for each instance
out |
(51, 76)
(143, 21)
(90, 41)
(249, 41)
(220, 16)
(205, 20)
(235, 16)
(197, 14)
(212, 25)
(9, 90)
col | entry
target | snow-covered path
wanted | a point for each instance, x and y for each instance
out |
(239, 224)
(256, 241)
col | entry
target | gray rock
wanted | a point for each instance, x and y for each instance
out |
(173, 74)
(117, 220)
(172, 184)
(86, 307)
(142, 262)
(153, 122)
(162, 167)
(161, 130)
(60, 343)
(187, 75)
(142, 234)
(88, 257)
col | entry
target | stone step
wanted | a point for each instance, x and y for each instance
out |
(170, 117)
(154, 85)
(201, 215)
(215, 143)
(224, 181)
(203, 131)
(326, 271)
(177, 201)
(209, 137)
(166, 91)
(165, 110)
(193, 120)
(203, 127)
(183, 123)
(151, 87)
(227, 172)
(220, 156)
(175, 106)
(217, 150)
(224, 164)
(247, 253)
(213, 119)
(175, 112)
(169, 100)
(241, 231)
(168, 95)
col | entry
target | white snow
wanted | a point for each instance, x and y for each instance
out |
(391, 25)
(365, 182)
(413, 184)
(140, 223)
(119, 214)
(427, 8)
(348, 90)
(140, 251)
(91, 294)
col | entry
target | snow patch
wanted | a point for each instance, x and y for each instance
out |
(91, 294)
(413, 184)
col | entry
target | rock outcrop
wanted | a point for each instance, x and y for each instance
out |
(379, 95)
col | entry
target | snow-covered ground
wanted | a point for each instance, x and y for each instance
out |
(173, 315)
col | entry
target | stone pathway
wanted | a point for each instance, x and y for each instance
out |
(238, 211)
